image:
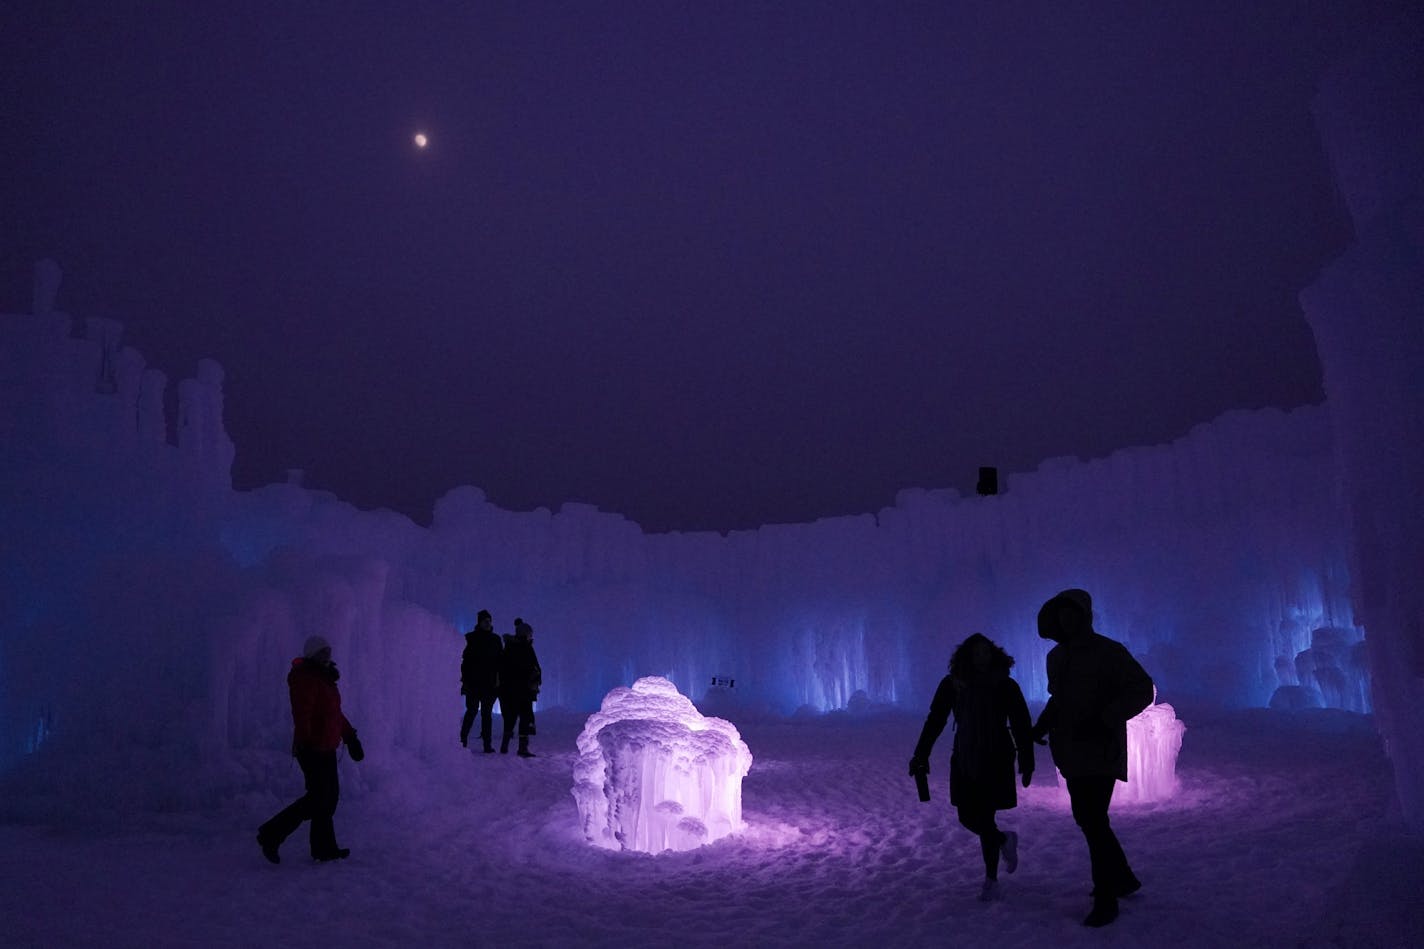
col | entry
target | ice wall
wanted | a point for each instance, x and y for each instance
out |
(134, 577)
(1367, 313)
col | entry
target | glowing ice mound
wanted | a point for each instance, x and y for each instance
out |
(1154, 738)
(654, 774)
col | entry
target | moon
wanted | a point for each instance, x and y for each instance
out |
(420, 140)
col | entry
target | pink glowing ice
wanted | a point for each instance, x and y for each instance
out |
(654, 774)
(1154, 738)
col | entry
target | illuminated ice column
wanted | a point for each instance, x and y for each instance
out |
(654, 774)
(1154, 739)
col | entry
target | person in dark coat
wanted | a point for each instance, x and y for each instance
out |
(991, 731)
(479, 678)
(1094, 687)
(318, 729)
(519, 684)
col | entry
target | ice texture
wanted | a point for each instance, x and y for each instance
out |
(135, 577)
(653, 773)
(1365, 312)
(1154, 738)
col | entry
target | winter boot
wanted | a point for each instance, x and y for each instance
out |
(340, 853)
(524, 751)
(990, 892)
(504, 745)
(489, 748)
(269, 849)
(1104, 911)
(1125, 886)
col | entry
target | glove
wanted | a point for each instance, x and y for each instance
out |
(919, 765)
(353, 747)
(1027, 777)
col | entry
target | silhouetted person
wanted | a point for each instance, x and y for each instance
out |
(479, 678)
(1094, 687)
(992, 728)
(318, 729)
(519, 683)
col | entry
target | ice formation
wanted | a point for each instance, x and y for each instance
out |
(1365, 314)
(1154, 738)
(654, 774)
(1216, 559)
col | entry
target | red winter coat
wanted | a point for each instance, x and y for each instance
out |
(317, 722)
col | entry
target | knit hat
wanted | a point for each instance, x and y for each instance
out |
(314, 645)
(483, 614)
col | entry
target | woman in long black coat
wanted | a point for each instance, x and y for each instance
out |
(992, 729)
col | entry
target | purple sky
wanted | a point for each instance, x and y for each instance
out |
(707, 265)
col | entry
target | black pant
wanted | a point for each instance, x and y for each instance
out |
(1091, 796)
(318, 805)
(980, 820)
(517, 708)
(481, 700)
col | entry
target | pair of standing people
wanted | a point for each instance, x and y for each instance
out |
(507, 669)
(1094, 686)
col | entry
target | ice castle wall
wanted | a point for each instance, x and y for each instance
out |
(1367, 313)
(136, 579)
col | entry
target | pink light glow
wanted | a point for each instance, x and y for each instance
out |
(1154, 739)
(654, 774)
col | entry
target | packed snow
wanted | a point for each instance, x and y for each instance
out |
(1282, 834)
(1263, 568)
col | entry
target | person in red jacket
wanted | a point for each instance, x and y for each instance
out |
(318, 730)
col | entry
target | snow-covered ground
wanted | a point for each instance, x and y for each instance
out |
(1282, 835)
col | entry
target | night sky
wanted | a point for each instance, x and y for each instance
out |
(706, 265)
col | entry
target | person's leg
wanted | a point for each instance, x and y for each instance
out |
(468, 722)
(271, 834)
(325, 792)
(508, 713)
(487, 718)
(1090, 797)
(526, 713)
(979, 821)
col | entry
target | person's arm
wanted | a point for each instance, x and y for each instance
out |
(1134, 690)
(1021, 728)
(1048, 718)
(940, 708)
